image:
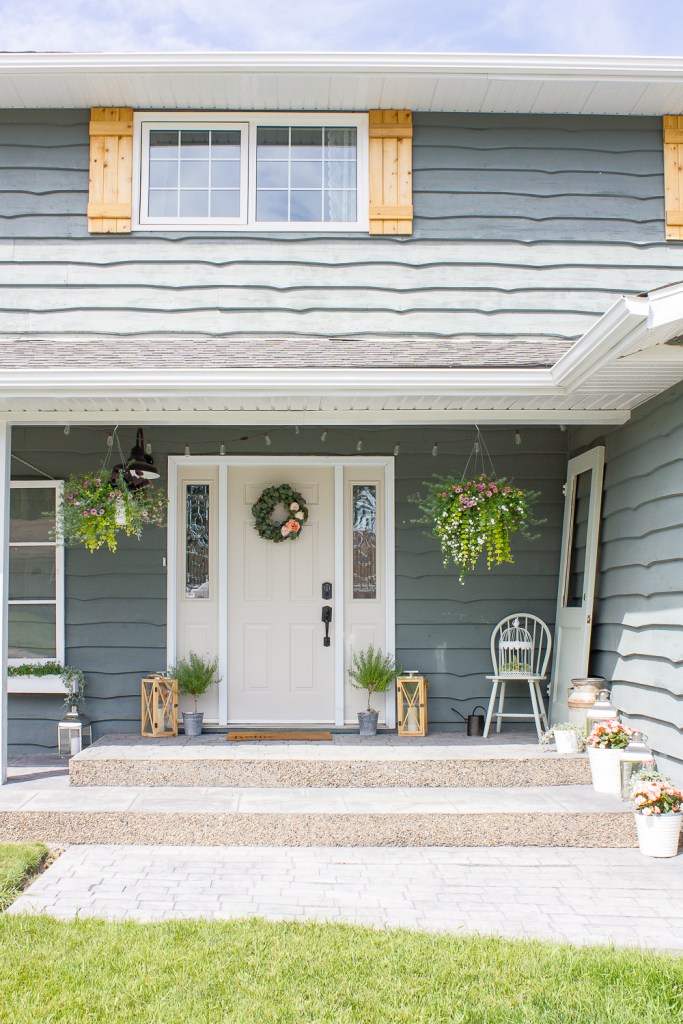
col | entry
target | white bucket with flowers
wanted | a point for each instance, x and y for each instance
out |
(605, 746)
(658, 817)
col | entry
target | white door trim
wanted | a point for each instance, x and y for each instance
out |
(223, 462)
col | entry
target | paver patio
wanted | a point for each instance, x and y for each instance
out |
(576, 895)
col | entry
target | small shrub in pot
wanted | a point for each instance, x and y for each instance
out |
(195, 674)
(569, 738)
(372, 670)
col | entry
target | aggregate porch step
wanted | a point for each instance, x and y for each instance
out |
(212, 762)
(573, 816)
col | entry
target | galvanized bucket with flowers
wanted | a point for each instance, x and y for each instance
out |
(469, 517)
(605, 744)
(657, 805)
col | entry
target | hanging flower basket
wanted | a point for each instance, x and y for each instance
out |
(471, 517)
(95, 509)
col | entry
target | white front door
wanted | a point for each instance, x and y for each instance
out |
(279, 670)
(574, 618)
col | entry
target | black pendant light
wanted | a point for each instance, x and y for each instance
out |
(140, 465)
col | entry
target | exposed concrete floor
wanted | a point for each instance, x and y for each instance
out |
(544, 893)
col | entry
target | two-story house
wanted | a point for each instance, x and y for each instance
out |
(344, 273)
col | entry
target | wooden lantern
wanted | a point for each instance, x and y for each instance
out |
(159, 706)
(411, 698)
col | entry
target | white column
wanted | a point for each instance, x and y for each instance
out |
(5, 445)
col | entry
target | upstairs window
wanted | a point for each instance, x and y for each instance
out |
(252, 172)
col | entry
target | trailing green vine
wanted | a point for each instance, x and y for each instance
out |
(95, 509)
(469, 517)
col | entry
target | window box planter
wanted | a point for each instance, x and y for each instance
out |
(36, 684)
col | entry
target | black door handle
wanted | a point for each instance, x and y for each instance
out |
(327, 619)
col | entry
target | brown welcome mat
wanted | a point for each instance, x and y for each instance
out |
(278, 734)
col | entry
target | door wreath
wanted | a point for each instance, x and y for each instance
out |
(286, 529)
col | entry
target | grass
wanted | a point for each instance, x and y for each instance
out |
(18, 862)
(257, 972)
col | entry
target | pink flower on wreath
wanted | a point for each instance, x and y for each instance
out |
(284, 531)
(293, 526)
(294, 507)
(299, 515)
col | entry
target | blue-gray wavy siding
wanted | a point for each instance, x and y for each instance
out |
(638, 633)
(116, 604)
(525, 227)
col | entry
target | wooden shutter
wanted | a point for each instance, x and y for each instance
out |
(391, 172)
(673, 176)
(110, 199)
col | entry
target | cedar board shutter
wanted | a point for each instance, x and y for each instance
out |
(391, 172)
(110, 198)
(673, 177)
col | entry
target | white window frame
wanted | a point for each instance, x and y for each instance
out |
(247, 123)
(58, 601)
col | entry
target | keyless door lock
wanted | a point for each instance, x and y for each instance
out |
(327, 591)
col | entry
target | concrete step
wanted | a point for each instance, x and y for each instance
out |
(434, 762)
(571, 816)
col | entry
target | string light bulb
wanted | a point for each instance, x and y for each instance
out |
(563, 427)
(518, 438)
(477, 447)
(110, 440)
(359, 446)
(221, 450)
(267, 440)
(187, 451)
(67, 430)
(148, 448)
(397, 449)
(435, 449)
(297, 429)
(323, 436)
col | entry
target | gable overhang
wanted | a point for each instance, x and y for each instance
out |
(485, 83)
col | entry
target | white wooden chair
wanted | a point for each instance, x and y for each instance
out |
(520, 651)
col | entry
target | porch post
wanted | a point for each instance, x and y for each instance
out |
(5, 458)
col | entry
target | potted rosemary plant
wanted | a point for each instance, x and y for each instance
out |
(195, 674)
(374, 671)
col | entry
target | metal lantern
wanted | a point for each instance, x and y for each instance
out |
(515, 650)
(602, 711)
(411, 699)
(159, 706)
(635, 757)
(73, 733)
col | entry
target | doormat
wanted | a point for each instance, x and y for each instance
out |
(271, 735)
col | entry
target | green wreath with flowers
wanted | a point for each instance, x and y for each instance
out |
(295, 508)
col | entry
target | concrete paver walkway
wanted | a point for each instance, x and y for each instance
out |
(578, 895)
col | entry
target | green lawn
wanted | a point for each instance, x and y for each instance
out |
(18, 861)
(256, 972)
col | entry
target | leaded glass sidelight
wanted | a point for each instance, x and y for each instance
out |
(364, 515)
(197, 540)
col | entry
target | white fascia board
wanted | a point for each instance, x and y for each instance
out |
(542, 66)
(270, 382)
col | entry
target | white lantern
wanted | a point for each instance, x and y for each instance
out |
(602, 711)
(73, 733)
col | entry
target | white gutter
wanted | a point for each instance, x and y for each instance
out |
(612, 335)
(267, 381)
(491, 65)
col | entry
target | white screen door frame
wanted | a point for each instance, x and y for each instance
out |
(578, 569)
(223, 462)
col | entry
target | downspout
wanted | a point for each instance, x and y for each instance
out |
(5, 458)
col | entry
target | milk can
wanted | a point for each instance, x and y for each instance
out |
(580, 697)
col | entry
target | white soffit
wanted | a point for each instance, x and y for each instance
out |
(487, 83)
